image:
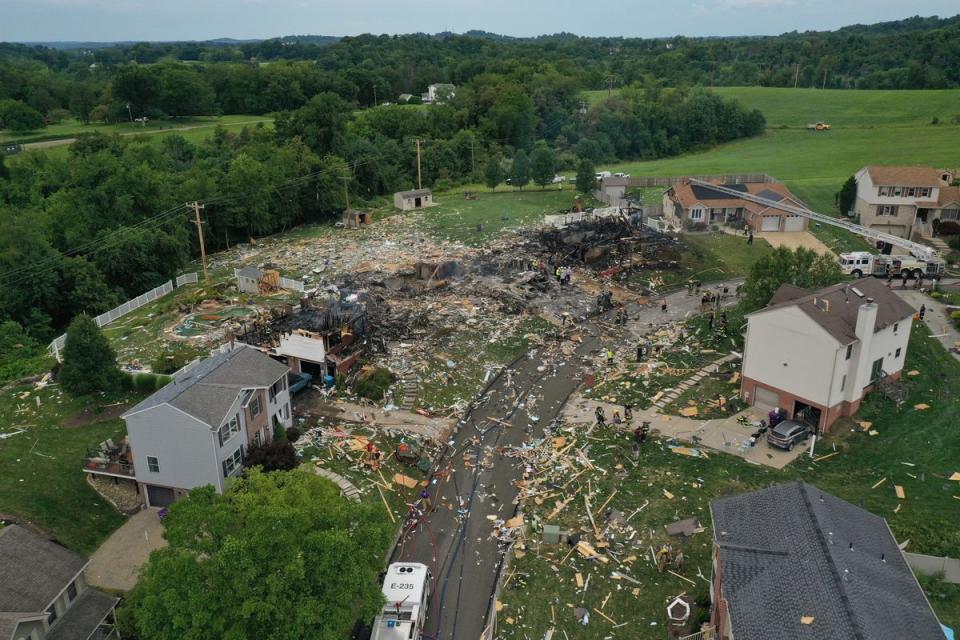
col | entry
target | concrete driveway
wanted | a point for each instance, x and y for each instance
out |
(794, 239)
(725, 435)
(116, 564)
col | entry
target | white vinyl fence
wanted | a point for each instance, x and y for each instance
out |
(57, 345)
(291, 285)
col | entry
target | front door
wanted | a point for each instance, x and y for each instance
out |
(876, 371)
(922, 215)
(417, 203)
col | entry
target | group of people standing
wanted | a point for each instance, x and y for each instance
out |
(563, 275)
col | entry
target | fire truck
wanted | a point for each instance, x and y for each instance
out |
(862, 263)
(407, 588)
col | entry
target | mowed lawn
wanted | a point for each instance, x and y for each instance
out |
(456, 218)
(847, 108)
(71, 128)
(41, 481)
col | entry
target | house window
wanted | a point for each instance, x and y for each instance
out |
(950, 214)
(887, 210)
(897, 191)
(255, 407)
(843, 382)
(233, 463)
(896, 326)
(696, 214)
(229, 430)
(897, 354)
(258, 438)
(924, 192)
(286, 412)
(277, 387)
(71, 592)
(849, 351)
(52, 614)
(876, 371)
(153, 464)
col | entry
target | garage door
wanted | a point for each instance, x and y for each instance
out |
(771, 223)
(159, 496)
(794, 223)
(766, 398)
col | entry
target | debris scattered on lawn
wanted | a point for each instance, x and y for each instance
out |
(900, 492)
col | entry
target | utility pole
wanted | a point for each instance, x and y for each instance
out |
(374, 95)
(346, 192)
(196, 206)
(473, 161)
(824, 79)
(419, 180)
(796, 76)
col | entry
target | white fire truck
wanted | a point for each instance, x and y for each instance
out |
(863, 263)
(407, 588)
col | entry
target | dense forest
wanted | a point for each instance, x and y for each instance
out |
(83, 232)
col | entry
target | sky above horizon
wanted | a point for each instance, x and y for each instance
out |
(113, 20)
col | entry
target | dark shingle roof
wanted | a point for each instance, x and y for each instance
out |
(83, 617)
(706, 193)
(208, 390)
(835, 308)
(785, 552)
(35, 569)
(250, 272)
(414, 193)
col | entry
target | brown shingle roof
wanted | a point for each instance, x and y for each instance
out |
(835, 308)
(905, 176)
(684, 193)
(948, 195)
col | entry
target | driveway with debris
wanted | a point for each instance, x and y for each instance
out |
(937, 319)
(116, 564)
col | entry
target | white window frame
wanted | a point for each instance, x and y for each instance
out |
(255, 403)
(696, 214)
(155, 463)
(232, 427)
(887, 210)
(233, 462)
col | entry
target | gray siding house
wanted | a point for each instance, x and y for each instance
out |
(43, 594)
(195, 430)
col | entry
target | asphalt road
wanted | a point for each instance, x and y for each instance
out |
(475, 480)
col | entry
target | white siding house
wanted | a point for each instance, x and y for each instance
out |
(904, 200)
(816, 354)
(195, 430)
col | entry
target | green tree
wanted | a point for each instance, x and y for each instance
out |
(847, 196)
(138, 87)
(542, 165)
(276, 455)
(520, 171)
(89, 364)
(184, 93)
(802, 267)
(586, 176)
(278, 556)
(321, 123)
(17, 116)
(493, 173)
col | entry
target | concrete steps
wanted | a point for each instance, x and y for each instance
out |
(410, 386)
(347, 489)
(675, 392)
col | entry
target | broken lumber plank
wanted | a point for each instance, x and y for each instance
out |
(579, 580)
(879, 483)
(829, 455)
(680, 576)
(605, 616)
(899, 491)
(386, 505)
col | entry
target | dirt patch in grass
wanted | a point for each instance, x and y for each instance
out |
(93, 415)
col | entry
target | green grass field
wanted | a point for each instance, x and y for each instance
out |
(456, 218)
(847, 109)
(839, 107)
(72, 128)
(42, 482)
